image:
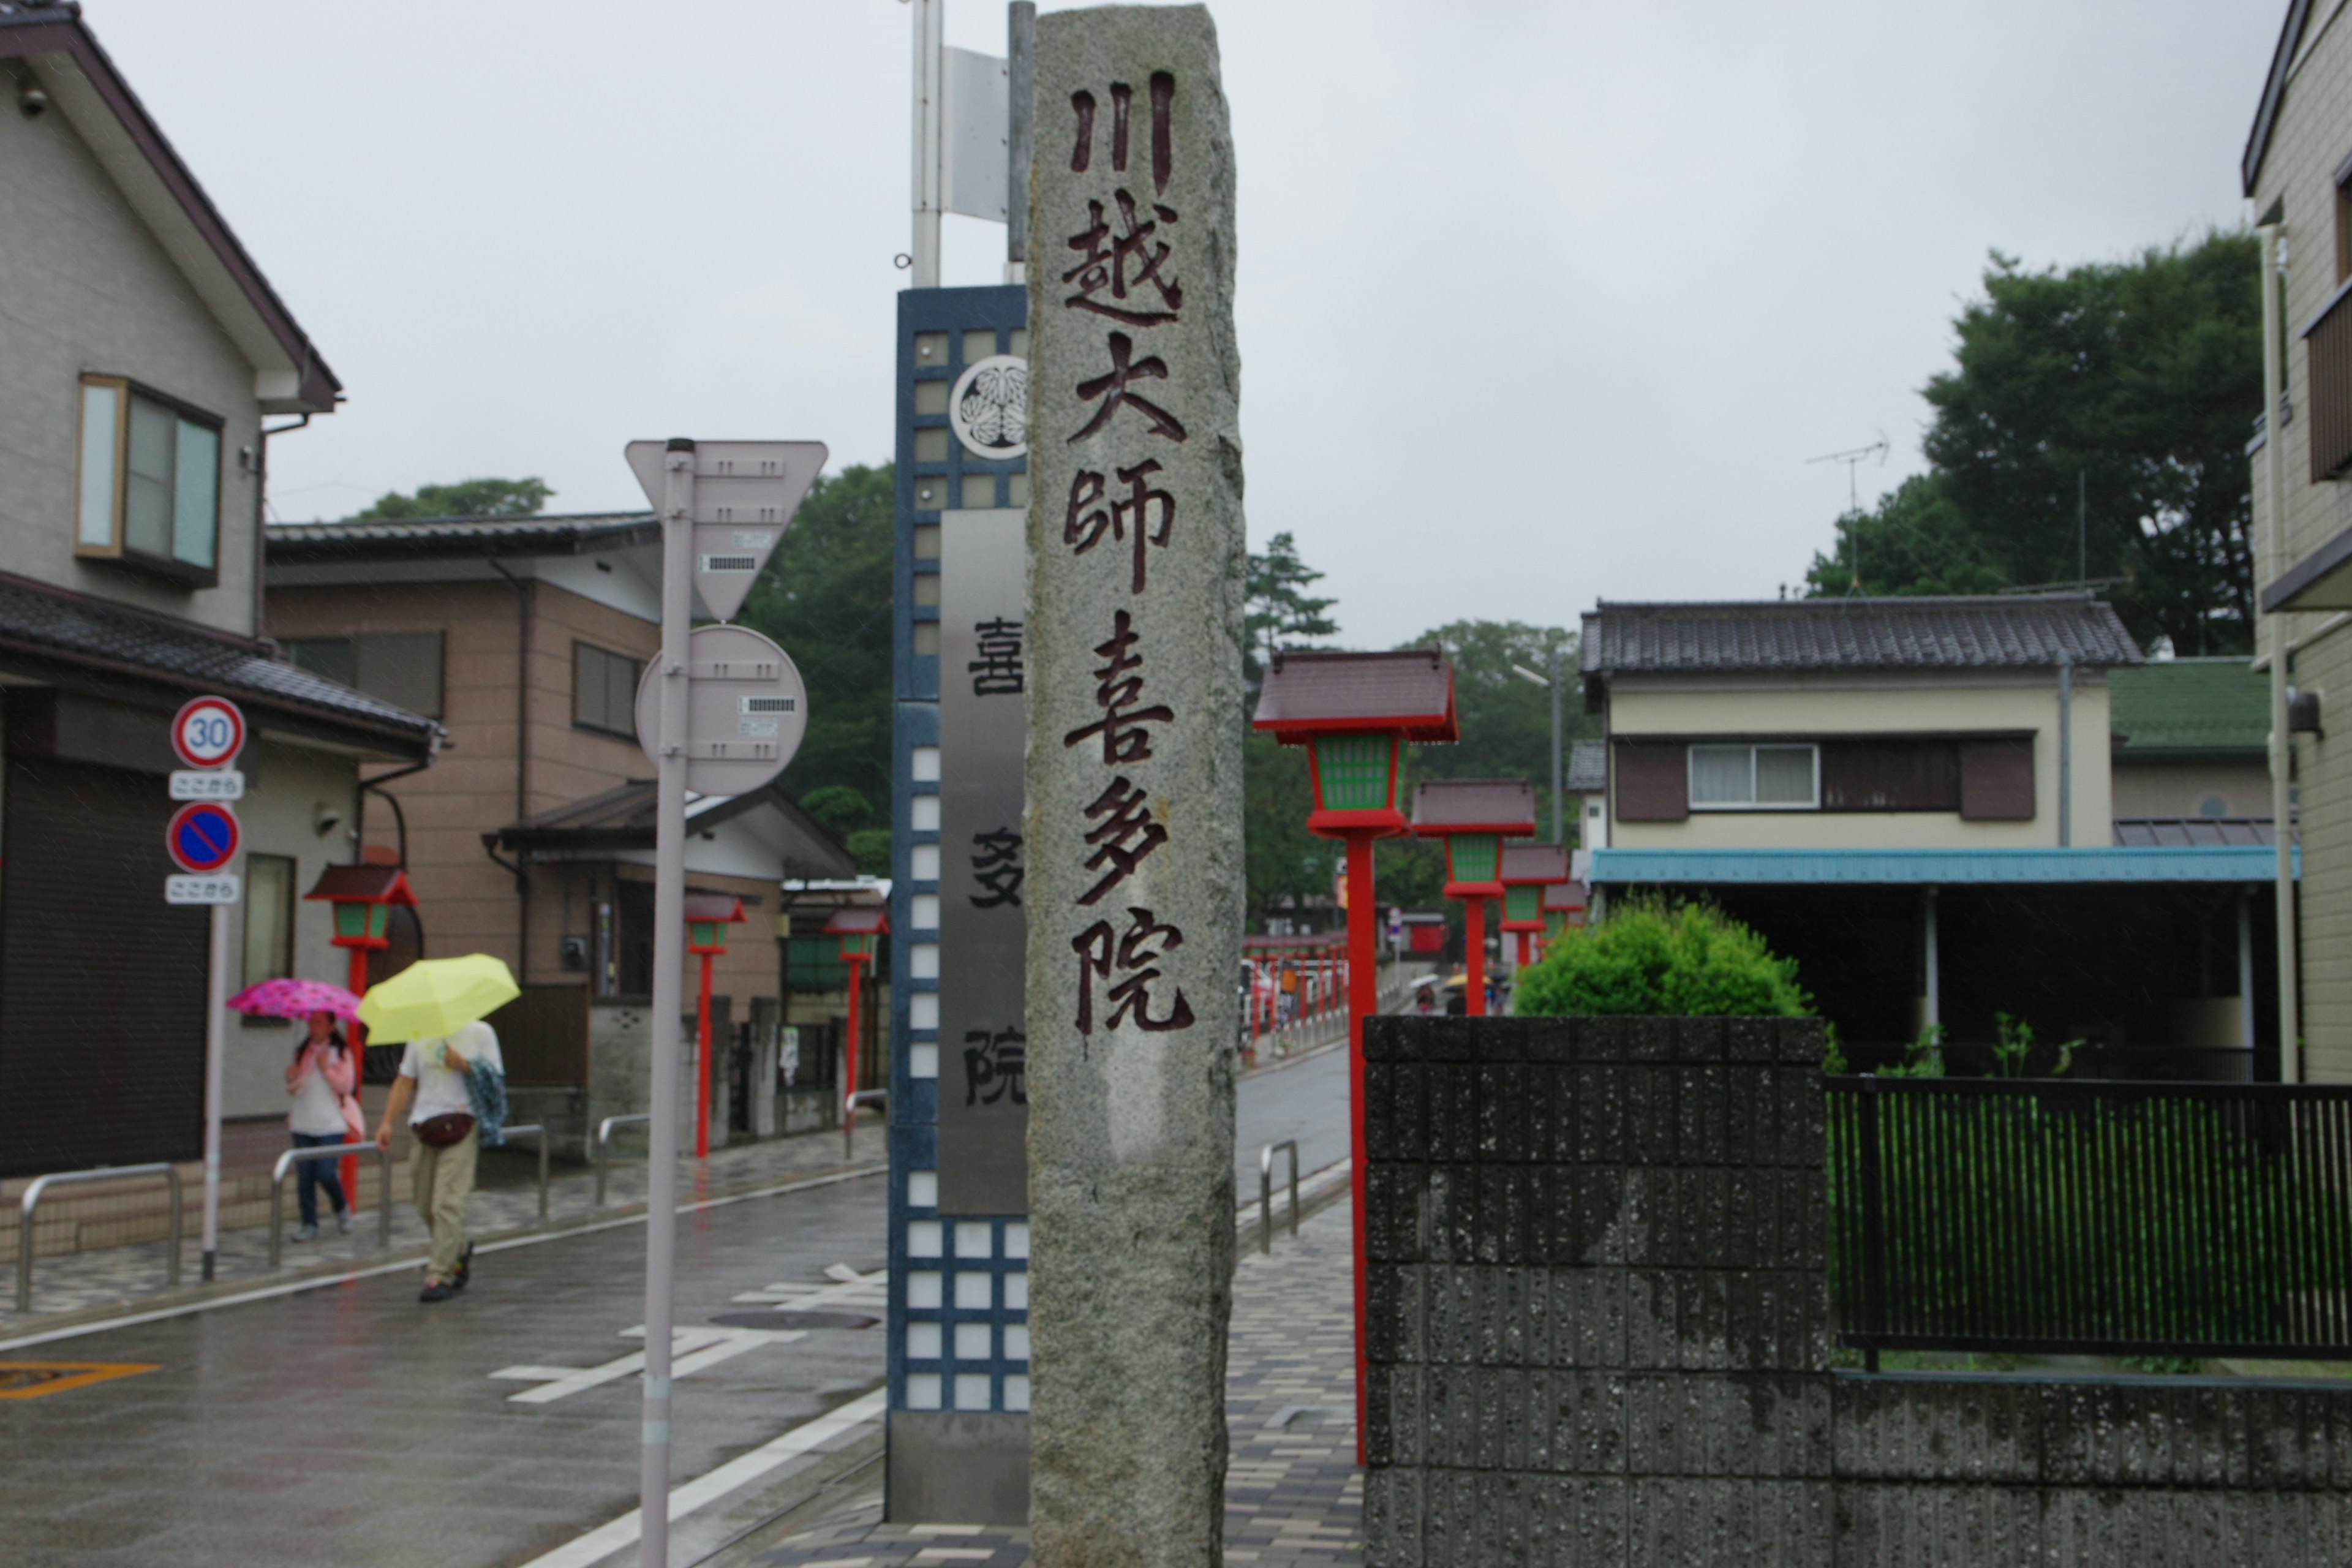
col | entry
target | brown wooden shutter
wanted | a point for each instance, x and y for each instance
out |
(1899, 773)
(1997, 780)
(1652, 781)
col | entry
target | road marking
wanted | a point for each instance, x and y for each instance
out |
(408, 1265)
(709, 1488)
(850, 1289)
(695, 1348)
(34, 1379)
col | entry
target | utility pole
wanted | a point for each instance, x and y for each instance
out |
(1558, 832)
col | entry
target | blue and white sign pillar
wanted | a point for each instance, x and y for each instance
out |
(958, 1351)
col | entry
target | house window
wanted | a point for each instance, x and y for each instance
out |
(605, 690)
(1755, 778)
(150, 482)
(402, 667)
(269, 917)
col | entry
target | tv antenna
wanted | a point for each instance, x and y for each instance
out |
(1854, 457)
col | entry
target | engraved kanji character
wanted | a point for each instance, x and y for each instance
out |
(1111, 387)
(997, 672)
(997, 869)
(1122, 97)
(1107, 256)
(1116, 688)
(999, 1059)
(1102, 953)
(1125, 834)
(1085, 522)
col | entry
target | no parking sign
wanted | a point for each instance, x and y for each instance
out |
(202, 836)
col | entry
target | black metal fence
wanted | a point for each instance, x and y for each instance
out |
(2045, 1217)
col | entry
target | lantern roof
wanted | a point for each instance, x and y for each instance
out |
(1309, 694)
(858, 920)
(364, 885)
(1566, 896)
(1529, 863)
(1443, 806)
(714, 909)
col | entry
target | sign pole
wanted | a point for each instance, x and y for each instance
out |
(669, 966)
(215, 1059)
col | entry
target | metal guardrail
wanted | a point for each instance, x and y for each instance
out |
(32, 1200)
(292, 1157)
(1265, 1191)
(533, 1131)
(605, 1145)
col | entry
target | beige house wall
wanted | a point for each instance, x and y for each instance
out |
(2312, 138)
(1812, 707)
(2151, 788)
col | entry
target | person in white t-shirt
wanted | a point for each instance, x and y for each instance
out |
(324, 1081)
(431, 1091)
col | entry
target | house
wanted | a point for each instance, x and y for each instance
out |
(2295, 171)
(533, 840)
(2190, 752)
(140, 352)
(1914, 797)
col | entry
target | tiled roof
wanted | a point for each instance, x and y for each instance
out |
(1588, 767)
(409, 539)
(1412, 689)
(1491, 805)
(1535, 863)
(2005, 631)
(2193, 832)
(622, 818)
(2180, 705)
(40, 620)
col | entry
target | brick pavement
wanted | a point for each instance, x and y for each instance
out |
(1293, 1497)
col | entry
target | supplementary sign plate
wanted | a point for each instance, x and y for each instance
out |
(746, 710)
(208, 733)
(220, 888)
(203, 838)
(744, 495)
(199, 783)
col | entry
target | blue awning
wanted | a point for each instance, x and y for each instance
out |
(1927, 868)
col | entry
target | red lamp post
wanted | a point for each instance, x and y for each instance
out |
(1527, 870)
(861, 931)
(1474, 816)
(1354, 712)
(362, 897)
(707, 916)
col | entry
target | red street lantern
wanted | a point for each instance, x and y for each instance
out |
(1564, 907)
(1527, 870)
(707, 916)
(1355, 713)
(861, 929)
(1474, 816)
(362, 897)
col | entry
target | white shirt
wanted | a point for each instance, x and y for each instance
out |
(317, 1112)
(440, 1090)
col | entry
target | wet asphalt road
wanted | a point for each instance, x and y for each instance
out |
(353, 1426)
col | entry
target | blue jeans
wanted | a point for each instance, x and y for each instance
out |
(317, 1174)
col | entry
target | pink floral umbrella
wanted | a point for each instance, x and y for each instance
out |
(295, 999)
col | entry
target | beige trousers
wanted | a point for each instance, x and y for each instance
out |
(443, 1181)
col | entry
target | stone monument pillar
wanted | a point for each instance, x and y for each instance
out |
(1134, 888)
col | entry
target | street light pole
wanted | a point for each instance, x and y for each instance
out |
(1559, 831)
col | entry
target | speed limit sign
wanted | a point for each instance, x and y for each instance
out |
(208, 733)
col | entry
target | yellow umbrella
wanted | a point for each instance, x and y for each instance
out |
(436, 996)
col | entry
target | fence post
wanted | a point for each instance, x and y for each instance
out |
(1874, 1239)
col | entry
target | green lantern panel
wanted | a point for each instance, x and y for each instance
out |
(707, 934)
(1357, 770)
(1523, 902)
(1472, 857)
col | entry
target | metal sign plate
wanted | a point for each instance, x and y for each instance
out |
(218, 889)
(745, 493)
(746, 710)
(207, 783)
(202, 837)
(208, 733)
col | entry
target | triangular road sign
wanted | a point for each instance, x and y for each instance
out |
(744, 495)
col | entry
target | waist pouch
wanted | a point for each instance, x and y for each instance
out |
(440, 1132)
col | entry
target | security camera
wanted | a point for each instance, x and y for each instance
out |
(325, 820)
(32, 100)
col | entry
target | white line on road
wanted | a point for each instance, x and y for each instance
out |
(294, 1287)
(695, 1348)
(709, 1488)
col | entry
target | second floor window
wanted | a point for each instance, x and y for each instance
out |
(402, 667)
(1753, 777)
(604, 690)
(150, 482)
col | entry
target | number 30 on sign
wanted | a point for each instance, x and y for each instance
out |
(208, 733)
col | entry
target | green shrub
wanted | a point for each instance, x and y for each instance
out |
(1657, 958)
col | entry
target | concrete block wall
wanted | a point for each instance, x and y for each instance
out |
(1600, 1332)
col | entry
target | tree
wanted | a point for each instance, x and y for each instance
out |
(1279, 611)
(2125, 386)
(1915, 541)
(466, 498)
(825, 596)
(1506, 717)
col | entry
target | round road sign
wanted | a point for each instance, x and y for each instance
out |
(208, 733)
(202, 836)
(746, 710)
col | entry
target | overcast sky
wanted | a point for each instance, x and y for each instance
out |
(1538, 303)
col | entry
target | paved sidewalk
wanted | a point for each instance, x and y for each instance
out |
(134, 1276)
(1293, 1497)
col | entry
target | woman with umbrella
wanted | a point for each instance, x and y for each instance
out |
(438, 1006)
(323, 1079)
